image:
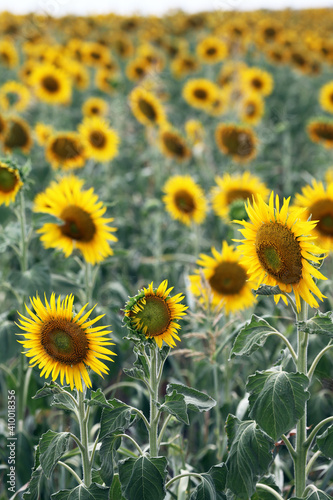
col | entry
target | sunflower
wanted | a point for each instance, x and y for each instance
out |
(252, 108)
(226, 278)
(195, 132)
(317, 202)
(100, 140)
(83, 226)
(78, 73)
(146, 108)
(14, 96)
(43, 133)
(185, 200)
(64, 343)
(137, 69)
(153, 312)
(8, 54)
(17, 135)
(10, 183)
(219, 104)
(268, 30)
(65, 150)
(200, 92)
(106, 80)
(236, 141)
(51, 85)
(95, 106)
(326, 97)
(122, 45)
(321, 131)
(257, 80)
(230, 73)
(184, 64)
(173, 145)
(233, 189)
(95, 54)
(211, 50)
(2, 126)
(278, 250)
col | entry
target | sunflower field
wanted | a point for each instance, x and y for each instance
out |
(166, 209)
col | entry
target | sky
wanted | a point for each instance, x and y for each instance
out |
(144, 7)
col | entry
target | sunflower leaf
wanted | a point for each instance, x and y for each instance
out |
(143, 478)
(81, 492)
(97, 398)
(277, 400)
(251, 337)
(212, 484)
(34, 484)
(325, 442)
(109, 445)
(115, 490)
(249, 457)
(116, 418)
(175, 405)
(47, 389)
(320, 324)
(52, 445)
(261, 494)
(318, 495)
(64, 401)
(195, 400)
(267, 290)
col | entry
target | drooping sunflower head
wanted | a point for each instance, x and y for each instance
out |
(173, 145)
(237, 141)
(65, 150)
(185, 200)
(321, 131)
(82, 223)
(146, 107)
(252, 108)
(152, 313)
(10, 182)
(224, 277)
(278, 249)
(211, 50)
(17, 135)
(64, 343)
(326, 97)
(100, 140)
(51, 84)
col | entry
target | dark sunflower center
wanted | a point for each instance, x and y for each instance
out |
(155, 316)
(95, 55)
(16, 136)
(65, 148)
(184, 201)
(323, 212)
(2, 124)
(331, 97)
(298, 59)
(200, 94)
(228, 278)
(237, 142)
(279, 252)
(78, 224)
(95, 110)
(4, 57)
(211, 51)
(97, 139)
(147, 109)
(324, 131)
(8, 180)
(257, 83)
(64, 341)
(139, 70)
(238, 194)
(270, 32)
(51, 84)
(174, 145)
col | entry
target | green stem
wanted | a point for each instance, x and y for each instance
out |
(288, 344)
(316, 429)
(88, 279)
(133, 441)
(154, 383)
(141, 415)
(164, 426)
(63, 464)
(270, 490)
(217, 411)
(289, 446)
(317, 359)
(184, 474)
(312, 461)
(23, 241)
(83, 416)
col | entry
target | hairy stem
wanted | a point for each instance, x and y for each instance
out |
(83, 416)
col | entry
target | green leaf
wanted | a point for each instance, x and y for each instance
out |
(320, 324)
(35, 279)
(52, 445)
(97, 398)
(34, 484)
(176, 406)
(81, 492)
(261, 494)
(267, 290)
(195, 400)
(135, 373)
(164, 352)
(107, 450)
(115, 418)
(212, 485)
(277, 400)
(205, 490)
(251, 337)
(249, 457)
(47, 389)
(64, 401)
(115, 490)
(143, 478)
(318, 495)
(325, 442)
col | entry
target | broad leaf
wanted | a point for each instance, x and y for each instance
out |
(267, 290)
(64, 401)
(176, 406)
(107, 450)
(212, 484)
(37, 473)
(143, 478)
(195, 400)
(318, 495)
(249, 457)
(277, 400)
(115, 418)
(320, 324)
(251, 337)
(261, 494)
(52, 446)
(97, 398)
(115, 490)
(47, 389)
(135, 373)
(81, 492)
(325, 442)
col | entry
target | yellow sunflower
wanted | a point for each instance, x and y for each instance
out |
(200, 92)
(100, 140)
(95, 54)
(230, 73)
(137, 69)
(252, 108)
(185, 200)
(226, 278)
(146, 108)
(211, 50)
(43, 133)
(106, 80)
(321, 131)
(17, 135)
(232, 191)
(14, 96)
(65, 150)
(317, 202)
(257, 80)
(184, 64)
(278, 250)
(326, 97)
(3, 126)
(153, 312)
(8, 54)
(10, 183)
(51, 85)
(64, 343)
(195, 132)
(95, 106)
(83, 225)
(237, 141)
(173, 145)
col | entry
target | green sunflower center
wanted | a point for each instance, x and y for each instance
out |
(65, 148)
(184, 201)
(78, 224)
(64, 341)
(51, 84)
(155, 316)
(147, 109)
(200, 94)
(97, 139)
(279, 252)
(8, 180)
(237, 210)
(16, 136)
(228, 278)
(323, 212)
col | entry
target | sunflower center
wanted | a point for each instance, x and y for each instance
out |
(97, 139)
(184, 201)
(323, 212)
(200, 94)
(147, 109)
(237, 142)
(16, 136)
(228, 278)
(211, 51)
(155, 316)
(64, 341)
(324, 131)
(8, 180)
(78, 224)
(95, 110)
(250, 110)
(257, 83)
(331, 97)
(51, 84)
(238, 194)
(65, 148)
(279, 252)
(173, 144)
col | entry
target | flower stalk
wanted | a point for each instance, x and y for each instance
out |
(83, 418)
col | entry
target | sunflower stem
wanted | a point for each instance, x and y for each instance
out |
(154, 384)
(24, 240)
(217, 409)
(83, 416)
(88, 278)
